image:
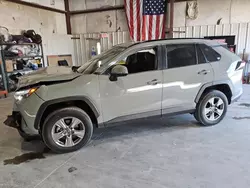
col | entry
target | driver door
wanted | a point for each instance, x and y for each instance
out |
(136, 95)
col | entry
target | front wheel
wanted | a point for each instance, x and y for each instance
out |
(67, 130)
(211, 108)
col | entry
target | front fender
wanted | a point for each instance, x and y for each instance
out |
(46, 104)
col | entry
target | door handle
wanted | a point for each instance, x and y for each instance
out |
(153, 82)
(204, 72)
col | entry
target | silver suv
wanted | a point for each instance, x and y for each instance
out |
(127, 82)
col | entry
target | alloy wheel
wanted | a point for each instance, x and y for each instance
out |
(68, 131)
(214, 109)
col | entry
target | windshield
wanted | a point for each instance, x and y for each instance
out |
(101, 60)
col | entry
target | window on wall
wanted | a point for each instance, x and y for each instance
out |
(181, 55)
(142, 61)
(210, 53)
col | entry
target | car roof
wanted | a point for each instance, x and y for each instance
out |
(172, 41)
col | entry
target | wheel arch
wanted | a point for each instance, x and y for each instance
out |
(223, 86)
(82, 102)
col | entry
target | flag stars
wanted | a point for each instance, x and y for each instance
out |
(154, 7)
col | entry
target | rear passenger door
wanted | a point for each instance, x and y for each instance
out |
(186, 71)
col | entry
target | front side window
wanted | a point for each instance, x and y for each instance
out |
(141, 61)
(210, 53)
(181, 55)
(101, 60)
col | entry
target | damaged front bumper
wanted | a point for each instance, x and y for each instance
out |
(17, 121)
(14, 120)
(24, 114)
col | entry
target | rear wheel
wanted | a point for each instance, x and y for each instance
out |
(211, 108)
(67, 130)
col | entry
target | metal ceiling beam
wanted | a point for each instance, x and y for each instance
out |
(117, 7)
(67, 15)
(34, 5)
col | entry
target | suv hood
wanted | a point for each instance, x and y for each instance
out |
(47, 75)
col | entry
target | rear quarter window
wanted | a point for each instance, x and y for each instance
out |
(210, 54)
(200, 56)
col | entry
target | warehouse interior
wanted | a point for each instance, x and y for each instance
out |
(165, 152)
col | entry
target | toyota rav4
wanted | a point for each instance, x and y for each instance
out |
(129, 81)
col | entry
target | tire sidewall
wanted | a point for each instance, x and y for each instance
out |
(57, 115)
(205, 99)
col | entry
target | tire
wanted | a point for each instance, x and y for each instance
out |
(26, 136)
(66, 114)
(216, 112)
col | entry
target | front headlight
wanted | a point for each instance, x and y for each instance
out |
(19, 95)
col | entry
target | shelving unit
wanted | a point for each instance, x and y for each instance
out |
(4, 74)
(22, 57)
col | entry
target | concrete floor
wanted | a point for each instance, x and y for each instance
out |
(173, 152)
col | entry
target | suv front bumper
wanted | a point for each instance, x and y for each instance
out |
(16, 121)
(24, 114)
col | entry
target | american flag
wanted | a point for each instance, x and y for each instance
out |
(146, 19)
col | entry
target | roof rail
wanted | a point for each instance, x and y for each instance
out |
(174, 39)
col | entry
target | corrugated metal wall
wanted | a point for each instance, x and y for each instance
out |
(241, 31)
(82, 43)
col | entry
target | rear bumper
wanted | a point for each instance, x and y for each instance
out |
(237, 97)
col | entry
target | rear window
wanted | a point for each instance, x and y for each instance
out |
(210, 53)
(181, 55)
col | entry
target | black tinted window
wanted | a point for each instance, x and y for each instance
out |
(181, 55)
(210, 53)
(200, 56)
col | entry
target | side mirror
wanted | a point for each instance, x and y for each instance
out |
(118, 71)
